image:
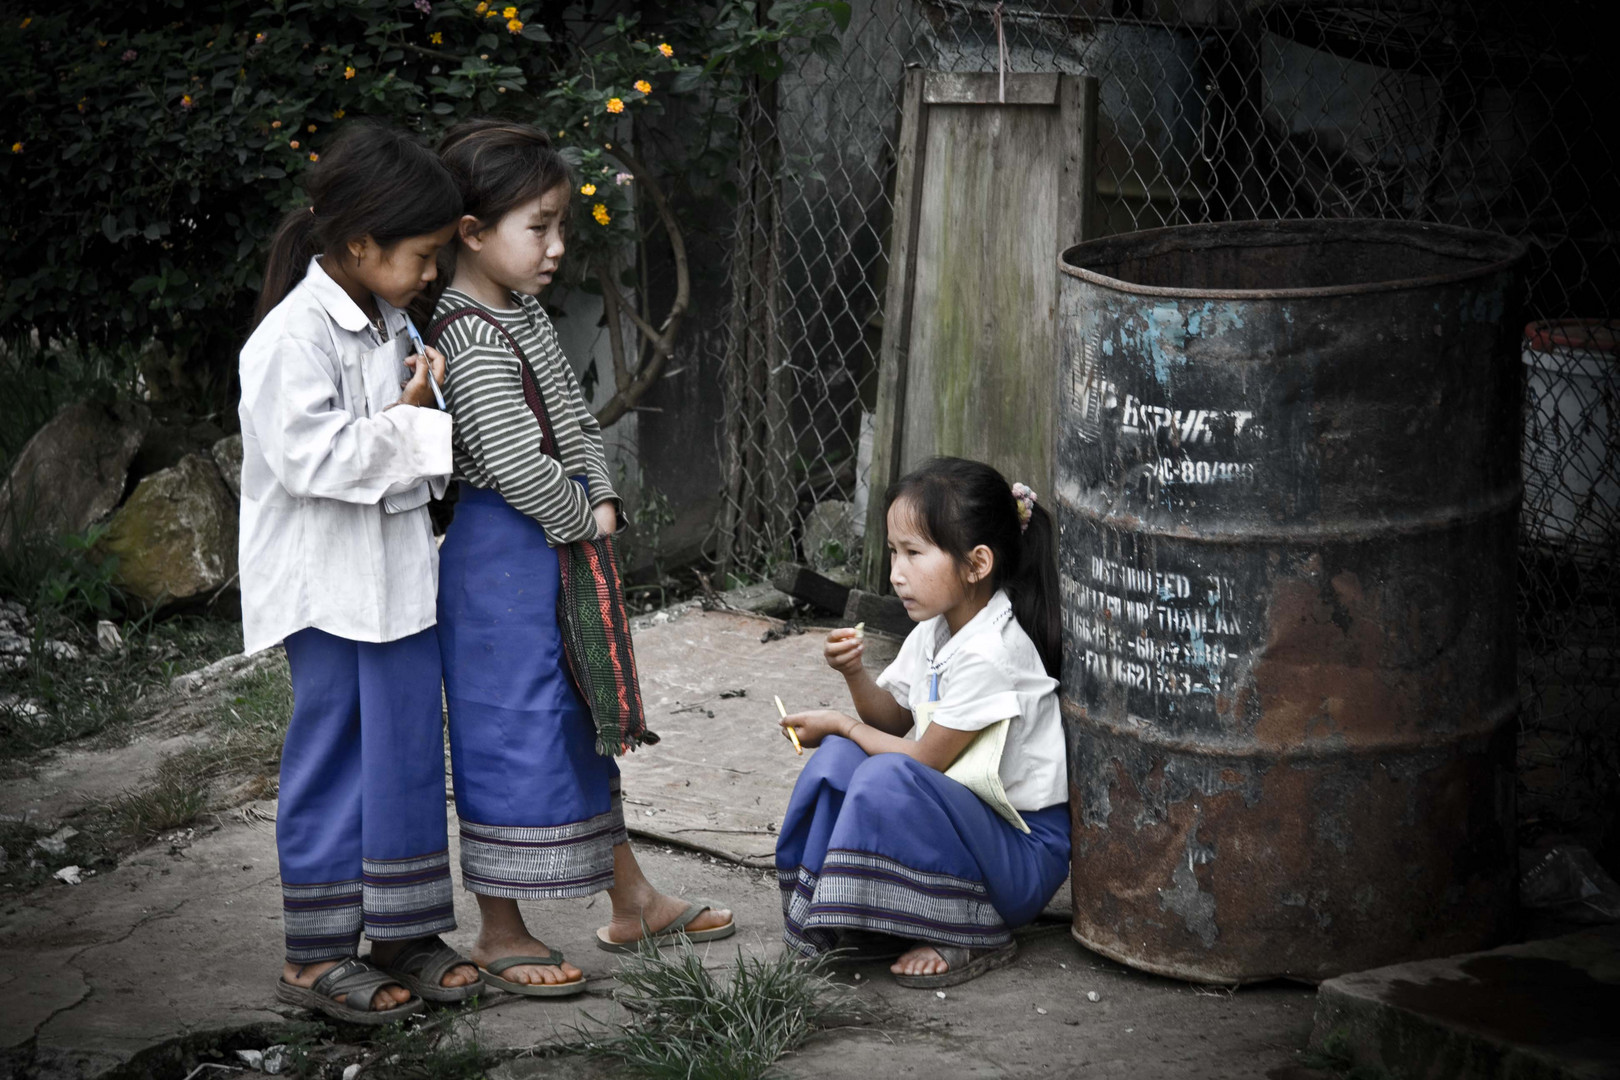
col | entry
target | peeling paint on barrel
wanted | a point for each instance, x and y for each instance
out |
(1286, 510)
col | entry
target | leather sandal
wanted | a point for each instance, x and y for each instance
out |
(420, 967)
(961, 965)
(677, 927)
(553, 958)
(355, 978)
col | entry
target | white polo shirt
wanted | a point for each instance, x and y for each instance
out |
(321, 450)
(990, 671)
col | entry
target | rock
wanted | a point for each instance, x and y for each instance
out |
(14, 644)
(175, 538)
(169, 439)
(107, 636)
(71, 473)
(831, 534)
(62, 651)
(14, 617)
(228, 456)
(56, 843)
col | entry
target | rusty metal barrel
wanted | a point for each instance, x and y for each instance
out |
(1287, 490)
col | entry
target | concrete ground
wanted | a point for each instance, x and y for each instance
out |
(178, 946)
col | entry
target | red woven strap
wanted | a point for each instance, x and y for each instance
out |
(531, 388)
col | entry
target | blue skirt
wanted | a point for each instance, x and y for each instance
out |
(539, 807)
(885, 843)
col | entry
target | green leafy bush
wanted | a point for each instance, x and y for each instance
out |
(149, 148)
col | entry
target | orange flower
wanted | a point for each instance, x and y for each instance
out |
(600, 213)
(24, 26)
(16, 148)
(614, 105)
(348, 73)
(310, 129)
(666, 50)
(275, 124)
(515, 25)
(314, 157)
(293, 144)
(337, 114)
(644, 86)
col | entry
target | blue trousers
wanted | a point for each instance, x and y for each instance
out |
(885, 843)
(539, 808)
(361, 823)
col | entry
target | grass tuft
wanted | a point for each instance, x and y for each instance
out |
(685, 1022)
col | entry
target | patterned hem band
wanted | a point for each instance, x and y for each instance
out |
(542, 862)
(407, 898)
(870, 892)
(322, 922)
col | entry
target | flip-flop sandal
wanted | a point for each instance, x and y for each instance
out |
(676, 928)
(554, 958)
(361, 982)
(856, 946)
(961, 965)
(420, 967)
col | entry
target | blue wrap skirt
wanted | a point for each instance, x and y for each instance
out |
(884, 843)
(539, 808)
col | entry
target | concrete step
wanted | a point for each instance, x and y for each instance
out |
(1544, 1010)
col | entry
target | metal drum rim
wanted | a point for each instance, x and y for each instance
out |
(1511, 248)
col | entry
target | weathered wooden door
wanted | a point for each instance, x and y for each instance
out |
(989, 189)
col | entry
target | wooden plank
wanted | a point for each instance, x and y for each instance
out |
(984, 88)
(889, 423)
(883, 613)
(805, 584)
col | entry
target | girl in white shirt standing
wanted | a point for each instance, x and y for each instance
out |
(879, 846)
(338, 561)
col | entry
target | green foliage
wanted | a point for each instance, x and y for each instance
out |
(149, 148)
(685, 1022)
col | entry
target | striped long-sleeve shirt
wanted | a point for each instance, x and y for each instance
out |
(496, 438)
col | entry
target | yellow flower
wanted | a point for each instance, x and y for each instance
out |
(509, 13)
(348, 73)
(81, 103)
(258, 39)
(337, 114)
(481, 8)
(587, 190)
(314, 157)
(310, 129)
(24, 26)
(436, 38)
(16, 148)
(599, 212)
(186, 102)
(666, 50)
(514, 25)
(293, 144)
(644, 86)
(614, 105)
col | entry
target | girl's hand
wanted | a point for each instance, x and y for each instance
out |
(843, 652)
(817, 724)
(607, 518)
(417, 391)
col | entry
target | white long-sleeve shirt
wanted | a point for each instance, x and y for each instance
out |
(321, 450)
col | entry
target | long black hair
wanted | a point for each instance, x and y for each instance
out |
(960, 504)
(371, 181)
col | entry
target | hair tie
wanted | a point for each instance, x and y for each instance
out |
(1026, 505)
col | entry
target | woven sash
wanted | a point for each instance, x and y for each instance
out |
(590, 603)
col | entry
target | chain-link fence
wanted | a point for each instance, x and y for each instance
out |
(1489, 115)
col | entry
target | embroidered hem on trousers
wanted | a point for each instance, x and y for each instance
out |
(887, 844)
(539, 808)
(361, 824)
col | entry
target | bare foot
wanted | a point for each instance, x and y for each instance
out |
(658, 911)
(305, 975)
(921, 959)
(383, 953)
(494, 945)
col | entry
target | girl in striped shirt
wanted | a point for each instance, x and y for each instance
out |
(540, 812)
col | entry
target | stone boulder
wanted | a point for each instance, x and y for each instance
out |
(71, 473)
(175, 538)
(227, 455)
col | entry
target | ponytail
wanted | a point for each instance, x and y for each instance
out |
(290, 251)
(960, 504)
(1033, 587)
(372, 181)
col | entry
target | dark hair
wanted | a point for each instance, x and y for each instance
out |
(371, 181)
(960, 504)
(500, 164)
(497, 165)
